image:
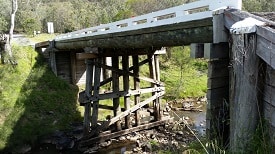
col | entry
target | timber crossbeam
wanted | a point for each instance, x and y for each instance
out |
(106, 136)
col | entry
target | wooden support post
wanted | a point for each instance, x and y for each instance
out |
(136, 87)
(158, 101)
(73, 67)
(88, 92)
(116, 105)
(53, 61)
(96, 92)
(217, 115)
(245, 92)
(125, 64)
(197, 50)
(152, 69)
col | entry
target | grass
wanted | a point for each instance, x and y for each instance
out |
(42, 37)
(183, 76)
(33, 100)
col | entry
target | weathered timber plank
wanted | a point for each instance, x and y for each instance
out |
(219, 31)
(213, 51)
(266, 50)
(44, 44)
(218, 93)
(269, 111)
(81, 56)
(269, 94)
(122, 72)
(246, 89)
(267, 33)
(135, 60)
(102, 138)
(270, 76)
(125, 93)
(109, 52)
(134, 108)
(196, 50)
(158, 39)
(219, 82)
(218, 68)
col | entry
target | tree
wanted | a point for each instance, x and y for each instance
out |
(5, 40)
(4, 15)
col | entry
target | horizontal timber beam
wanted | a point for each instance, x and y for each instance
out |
(160, 38)
(104, 137)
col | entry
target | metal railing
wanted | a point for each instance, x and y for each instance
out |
(188, 12)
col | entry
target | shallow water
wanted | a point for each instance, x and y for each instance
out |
(198, 118)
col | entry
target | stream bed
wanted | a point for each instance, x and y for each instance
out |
(172, 136)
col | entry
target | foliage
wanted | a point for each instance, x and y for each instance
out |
(259, 5)
(4, 15)
(183, 76)
(261, 141)
(33, 100)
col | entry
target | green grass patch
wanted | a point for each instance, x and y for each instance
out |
(42, 37)
(183, 76)
(34, 102)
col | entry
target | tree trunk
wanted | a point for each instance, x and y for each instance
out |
(14, 9)
(5, 40)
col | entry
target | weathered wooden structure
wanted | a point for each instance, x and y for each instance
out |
(240, 74)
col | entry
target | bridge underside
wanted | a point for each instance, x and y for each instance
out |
(128, 52)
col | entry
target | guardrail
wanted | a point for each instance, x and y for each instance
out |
(183, 13)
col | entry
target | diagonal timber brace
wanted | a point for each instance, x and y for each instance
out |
(106, 124)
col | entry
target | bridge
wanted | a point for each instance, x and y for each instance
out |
(239, 46)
